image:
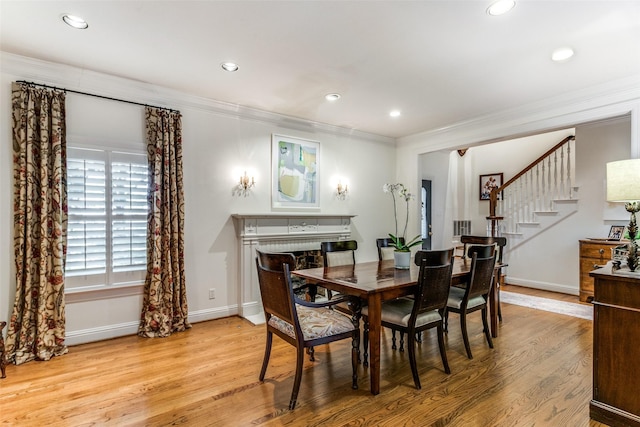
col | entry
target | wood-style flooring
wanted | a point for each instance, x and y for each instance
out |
(538, 374)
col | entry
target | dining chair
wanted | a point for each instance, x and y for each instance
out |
(341, 252)
(473, 297)
(301, 323)
(500, 243)
(385, 247)
(432, 258)
(424, 311)
(275, 261)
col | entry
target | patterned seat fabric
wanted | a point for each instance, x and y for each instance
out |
(315, 323)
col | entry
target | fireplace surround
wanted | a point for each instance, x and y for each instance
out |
(279, 232)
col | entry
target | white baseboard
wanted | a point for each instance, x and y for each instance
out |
(545, 286)
(83, 336)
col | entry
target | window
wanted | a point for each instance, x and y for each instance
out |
(107, 224)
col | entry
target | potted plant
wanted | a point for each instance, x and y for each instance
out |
(401, 245)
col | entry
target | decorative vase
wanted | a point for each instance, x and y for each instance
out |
(402, 260)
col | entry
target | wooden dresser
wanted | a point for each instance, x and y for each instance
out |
(594, 253)
(616, 353)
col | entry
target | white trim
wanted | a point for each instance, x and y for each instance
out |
(545, 286)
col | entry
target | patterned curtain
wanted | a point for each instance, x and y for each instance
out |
(37, 325)
(164, 309)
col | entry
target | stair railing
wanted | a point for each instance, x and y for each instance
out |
(533, 189)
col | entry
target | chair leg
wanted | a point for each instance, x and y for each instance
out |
(485, 323)
(365, 341)
(355, 358)
(311, 352)
(267, 353)
(465, 336)
(393, 339)
(412, 360)
(419, 337)
(402, 341)
(500, 283)
(297, 379)
(443, 351)
(445, 316)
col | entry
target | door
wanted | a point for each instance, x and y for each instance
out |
(426, 214)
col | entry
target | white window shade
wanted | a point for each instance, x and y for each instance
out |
(107, 199)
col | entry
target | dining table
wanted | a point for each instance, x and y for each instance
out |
(377, 281)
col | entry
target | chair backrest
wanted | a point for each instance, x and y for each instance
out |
(338, 253)
(385, 247)
(481, 275)
(483, 251)
(433, 287)
(275, 260)
(277, 295)
(435, 257)
(499, 242)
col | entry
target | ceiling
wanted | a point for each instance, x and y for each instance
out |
(438, 62)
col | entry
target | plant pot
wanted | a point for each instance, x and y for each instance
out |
(402, 260)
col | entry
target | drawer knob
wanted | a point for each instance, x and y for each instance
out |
(601, 251)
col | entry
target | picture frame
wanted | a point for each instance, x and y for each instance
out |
(616, 232)
(488, 182)
(295, 166)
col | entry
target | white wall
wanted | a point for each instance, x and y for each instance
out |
(219, 141)
(607, 123)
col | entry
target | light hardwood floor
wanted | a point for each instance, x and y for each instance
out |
(538, 374)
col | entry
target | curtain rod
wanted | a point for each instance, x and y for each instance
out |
(96, 96)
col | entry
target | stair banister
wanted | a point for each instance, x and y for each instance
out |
(493, 196)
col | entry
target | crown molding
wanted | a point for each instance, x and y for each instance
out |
(613, 99)
(84, 80)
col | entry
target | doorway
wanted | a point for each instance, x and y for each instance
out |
(426, 214)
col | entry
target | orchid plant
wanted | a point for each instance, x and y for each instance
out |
(400, 243)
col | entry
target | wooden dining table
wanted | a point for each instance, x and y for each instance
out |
(378, 281)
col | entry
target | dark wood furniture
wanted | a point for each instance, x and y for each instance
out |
(379, 281)
(342, 252)
(296, 322)
(616, 352)
(500, 243)
(473, 297)
(594, 254)
(385, 242)
(424, 311)
(3, 360)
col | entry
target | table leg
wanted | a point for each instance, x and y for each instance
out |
(493, 304)
(375, 325)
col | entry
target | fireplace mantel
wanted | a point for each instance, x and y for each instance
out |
(279, 232)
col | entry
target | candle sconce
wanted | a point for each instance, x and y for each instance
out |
(342, 191)
(246, 183)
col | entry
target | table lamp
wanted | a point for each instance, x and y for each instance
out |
(623, 185)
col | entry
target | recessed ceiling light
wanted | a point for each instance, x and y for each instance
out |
(562, 54)
(75, 21)
(500, 7)
(395, 113)
(229, 66)
(332, 96)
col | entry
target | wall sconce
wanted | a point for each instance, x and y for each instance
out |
(246, 183)
(623, 185)
(342, 190)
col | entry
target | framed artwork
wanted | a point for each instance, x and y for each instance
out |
(616, 232)
(489, 182)
(295, 164)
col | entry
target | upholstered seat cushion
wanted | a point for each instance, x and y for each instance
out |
(398, 312)
(457, 294)
(315, 323)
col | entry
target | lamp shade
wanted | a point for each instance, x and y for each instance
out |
(623, 181)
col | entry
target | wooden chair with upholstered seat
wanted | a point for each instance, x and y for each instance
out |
(424, 311)
(500, 242)
(301, 323)
(386, 248)
(275, 261)
(432, 258)
(473, 297)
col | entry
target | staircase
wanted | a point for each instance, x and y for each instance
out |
(537, 198)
